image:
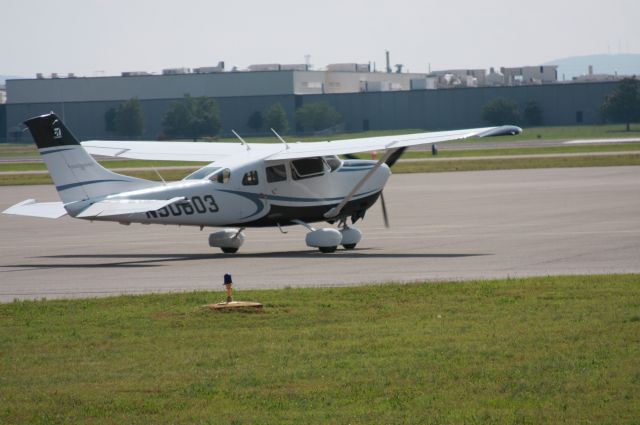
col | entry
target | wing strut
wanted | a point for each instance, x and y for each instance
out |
(333, 212)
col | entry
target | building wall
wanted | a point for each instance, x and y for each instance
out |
(561, 104)
(148, 87)
(87, 119)
(3, 122)
(224, 84)
(460, 108)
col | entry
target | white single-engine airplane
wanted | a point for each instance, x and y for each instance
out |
(245, 185)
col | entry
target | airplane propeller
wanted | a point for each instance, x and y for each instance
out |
(395, 156)
(385, 216)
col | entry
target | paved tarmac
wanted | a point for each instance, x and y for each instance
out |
(465, 225)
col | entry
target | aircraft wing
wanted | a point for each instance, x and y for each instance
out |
(210, 152)
(32, 208)
(341, 147)
(125, 206)
(175, 151)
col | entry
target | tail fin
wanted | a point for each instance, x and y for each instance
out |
(76, 175)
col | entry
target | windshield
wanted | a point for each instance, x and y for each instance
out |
(333, 161)
(202, 173)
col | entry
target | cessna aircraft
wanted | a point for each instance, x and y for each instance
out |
(245, 185)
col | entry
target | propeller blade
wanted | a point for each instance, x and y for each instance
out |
(385, 216)
(395, 156)
(392, 159)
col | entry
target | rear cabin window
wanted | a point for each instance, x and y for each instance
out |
(276, 173)
(307, 167)
(250, 178)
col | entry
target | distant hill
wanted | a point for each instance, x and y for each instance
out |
(623, 64)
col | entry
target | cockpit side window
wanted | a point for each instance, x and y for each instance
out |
(276, 173)
(221, 176)
(250, 178)
(305, 168)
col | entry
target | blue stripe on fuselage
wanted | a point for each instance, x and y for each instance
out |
(88, 182)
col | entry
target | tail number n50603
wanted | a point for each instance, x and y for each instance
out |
(197, 205)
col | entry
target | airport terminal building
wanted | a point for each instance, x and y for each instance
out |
(366, 100)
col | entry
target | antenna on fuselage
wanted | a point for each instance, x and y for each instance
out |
(280, 138)
(245, 144)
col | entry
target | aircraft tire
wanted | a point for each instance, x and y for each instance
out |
(349, 246)
(229, 250)
(327, 249)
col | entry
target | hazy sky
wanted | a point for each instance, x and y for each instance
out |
(91, 37)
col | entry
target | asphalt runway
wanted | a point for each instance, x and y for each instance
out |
(445, 226)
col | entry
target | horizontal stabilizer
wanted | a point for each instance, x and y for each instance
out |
(32, 208)
(126, 206)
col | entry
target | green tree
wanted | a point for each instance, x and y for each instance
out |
(128, 119)
(317, 116)
(623, 105)
(110, 120)
(532, 113)
(192, 118)
(500, 111)
(255, 121)
(275, 117)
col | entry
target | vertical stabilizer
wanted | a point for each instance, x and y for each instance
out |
(76, 175)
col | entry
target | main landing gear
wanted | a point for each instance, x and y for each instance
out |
(326, 239)
(228, 240)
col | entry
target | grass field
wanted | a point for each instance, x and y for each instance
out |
(609, 131)
(517, 351)
(553, 150)
(515, 163)
(614, 147)
(111, 164)
(400, 167)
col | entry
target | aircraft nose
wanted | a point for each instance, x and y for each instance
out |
(383, 174)
(385, 170)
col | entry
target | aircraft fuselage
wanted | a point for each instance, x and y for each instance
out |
(236, 203)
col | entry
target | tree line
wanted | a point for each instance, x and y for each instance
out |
(622, 106)
(197, 117)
